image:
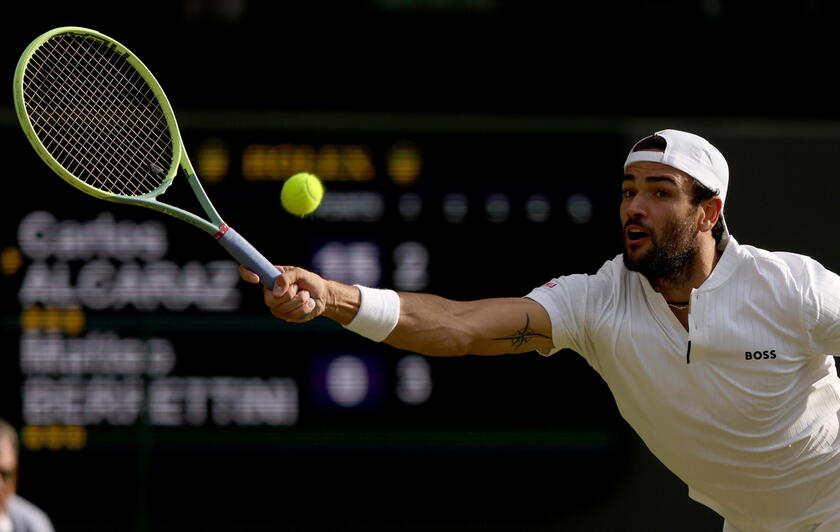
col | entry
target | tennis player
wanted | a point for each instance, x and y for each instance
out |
(718, 354)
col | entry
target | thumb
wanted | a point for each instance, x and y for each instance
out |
(289, 277)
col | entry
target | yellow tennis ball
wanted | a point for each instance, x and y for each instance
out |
(302, 193)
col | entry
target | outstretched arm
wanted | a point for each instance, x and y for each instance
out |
(427, 324)
(433, 325)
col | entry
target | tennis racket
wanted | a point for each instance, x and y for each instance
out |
(97, 116)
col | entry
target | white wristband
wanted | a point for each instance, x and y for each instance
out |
(379, 312)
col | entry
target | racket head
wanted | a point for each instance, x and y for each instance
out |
(97, 116)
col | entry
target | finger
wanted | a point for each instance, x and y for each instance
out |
(297, 310)
(308, 310)
(309, 307)
(290, 307)
(284, 281)
(248, 276)
(276, 297)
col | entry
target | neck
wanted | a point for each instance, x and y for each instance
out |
(678, 290)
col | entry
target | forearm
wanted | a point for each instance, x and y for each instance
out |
(433, 325)
(427, 324)
(436, 326)
(423, 323)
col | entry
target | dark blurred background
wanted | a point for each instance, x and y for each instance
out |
(470, 148)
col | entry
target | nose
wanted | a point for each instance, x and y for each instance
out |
(635, 207)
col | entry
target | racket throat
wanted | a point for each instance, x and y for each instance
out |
(208, 207)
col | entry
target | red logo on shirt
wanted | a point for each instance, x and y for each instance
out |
(550, 285)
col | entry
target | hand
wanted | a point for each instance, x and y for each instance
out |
(298, 295)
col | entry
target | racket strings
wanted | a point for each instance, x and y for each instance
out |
(69, 101)
(96, 115)
(54, 124)
(102, 134)
(113, 90)
(96, 141)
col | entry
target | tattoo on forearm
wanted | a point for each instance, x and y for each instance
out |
(523, 335)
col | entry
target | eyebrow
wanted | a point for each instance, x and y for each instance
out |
(652, 179)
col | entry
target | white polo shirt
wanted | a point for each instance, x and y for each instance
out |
(748, 416)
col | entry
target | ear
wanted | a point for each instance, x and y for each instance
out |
(712, 209)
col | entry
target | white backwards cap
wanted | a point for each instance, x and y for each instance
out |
(691, 154)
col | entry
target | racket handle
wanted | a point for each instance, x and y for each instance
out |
(246, 255)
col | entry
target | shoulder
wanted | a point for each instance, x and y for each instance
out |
(575, 302)
(27, 516)
(793, 281)
(798, 269)
(581, 291)
(778, 258)
(609, 274)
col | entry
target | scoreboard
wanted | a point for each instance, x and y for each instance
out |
(140, 367)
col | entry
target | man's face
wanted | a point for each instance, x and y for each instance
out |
(660, 225)
(8, 472)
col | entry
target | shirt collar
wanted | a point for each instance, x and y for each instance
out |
(729, 261)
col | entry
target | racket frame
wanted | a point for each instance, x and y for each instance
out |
(227, 237)
(180, 159)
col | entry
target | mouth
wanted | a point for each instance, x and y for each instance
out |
(635, 234)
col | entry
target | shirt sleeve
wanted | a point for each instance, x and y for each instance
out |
(821, 302)
(573, 302)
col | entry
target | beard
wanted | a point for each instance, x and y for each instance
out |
(671, 251)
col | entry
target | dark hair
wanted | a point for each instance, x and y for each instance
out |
(700, 192)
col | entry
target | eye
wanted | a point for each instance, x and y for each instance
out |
(662, 194)
(627, 193)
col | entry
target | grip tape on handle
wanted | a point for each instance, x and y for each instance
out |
(246, 255)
